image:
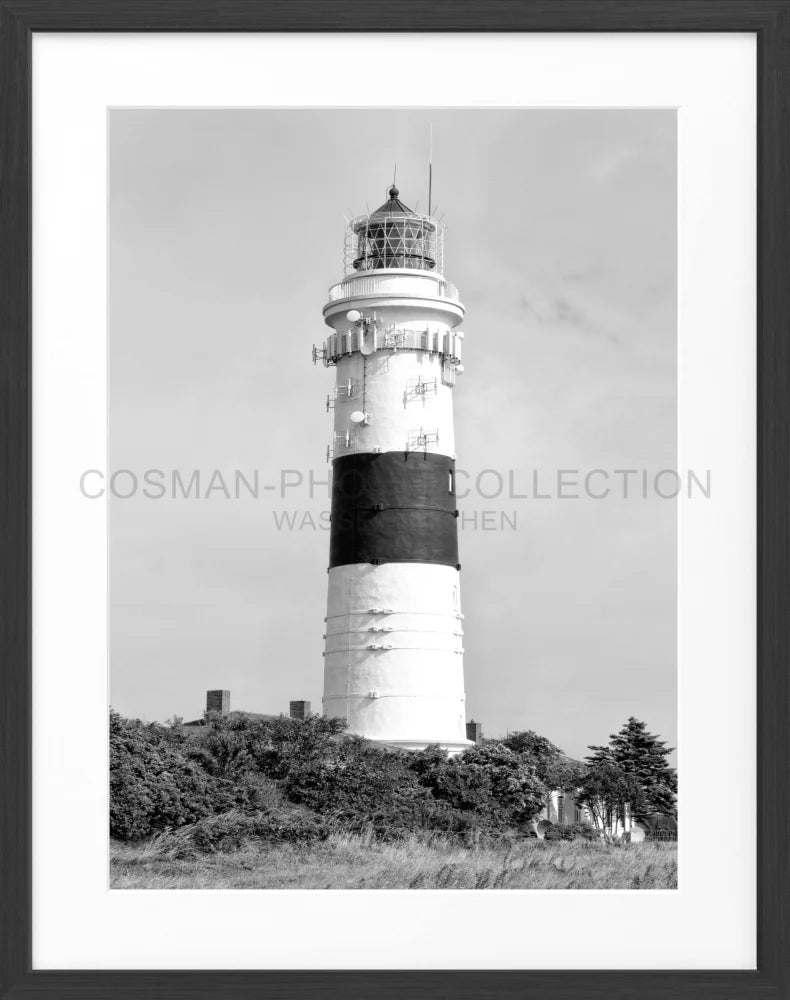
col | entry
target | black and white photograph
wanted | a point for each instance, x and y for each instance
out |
(392, 487)
(394, 460)
(394, 467)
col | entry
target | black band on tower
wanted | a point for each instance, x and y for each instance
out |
(393, 507)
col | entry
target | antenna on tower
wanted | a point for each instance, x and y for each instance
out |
(430, 165)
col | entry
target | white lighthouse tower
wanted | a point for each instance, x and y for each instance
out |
(393, 660)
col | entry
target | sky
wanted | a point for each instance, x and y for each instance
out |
(226, 231)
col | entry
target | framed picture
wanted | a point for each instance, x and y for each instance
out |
(395, 507)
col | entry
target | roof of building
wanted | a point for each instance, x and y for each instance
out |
(394, 205)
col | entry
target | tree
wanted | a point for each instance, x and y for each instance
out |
(643, 756)
(540, 751)
(607, 790)
(491, 781)
(551, 765)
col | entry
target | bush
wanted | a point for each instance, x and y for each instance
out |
(232, 830)
(492, 782)
(571, 831)
(362, 786)
(154, 785)
(239, 777)
(269, 746)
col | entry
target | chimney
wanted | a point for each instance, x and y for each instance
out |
(299, 709)
(218, 701)
(474, 732)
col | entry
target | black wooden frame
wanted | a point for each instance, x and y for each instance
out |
(770, 21)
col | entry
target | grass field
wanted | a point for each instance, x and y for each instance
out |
(359, 862)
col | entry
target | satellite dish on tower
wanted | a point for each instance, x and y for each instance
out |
(357, 417)
(354, 315)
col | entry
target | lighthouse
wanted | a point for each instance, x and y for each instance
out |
(393, 657)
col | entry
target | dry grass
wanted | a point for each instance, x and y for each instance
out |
(359, 862)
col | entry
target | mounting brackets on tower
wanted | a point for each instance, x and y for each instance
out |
(394, 339)
(420, 440)
(421, 388)
(345, 442)
(448, 373)
(347, 391)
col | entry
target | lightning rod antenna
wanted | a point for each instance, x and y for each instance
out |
(430, 166)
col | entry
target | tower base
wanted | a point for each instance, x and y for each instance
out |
(393, 657)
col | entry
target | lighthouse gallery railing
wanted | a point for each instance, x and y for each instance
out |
(379, 284)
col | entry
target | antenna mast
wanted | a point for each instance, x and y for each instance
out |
(430, 165)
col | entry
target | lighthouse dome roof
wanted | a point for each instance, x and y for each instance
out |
(394, 205)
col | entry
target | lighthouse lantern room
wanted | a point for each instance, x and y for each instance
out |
(393, 658)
